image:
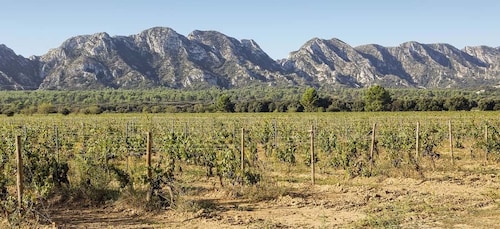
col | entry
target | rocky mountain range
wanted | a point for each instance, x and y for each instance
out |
(160, 57)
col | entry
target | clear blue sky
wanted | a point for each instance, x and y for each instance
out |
(32, 27)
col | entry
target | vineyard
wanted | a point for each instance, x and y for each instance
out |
(167, 162)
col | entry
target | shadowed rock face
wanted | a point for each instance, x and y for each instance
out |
(17, 72)
(160, 57)
(409, 65)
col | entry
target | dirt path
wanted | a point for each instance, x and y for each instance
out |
(459, 200)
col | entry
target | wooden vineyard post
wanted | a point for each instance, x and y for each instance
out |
(486, 142)
(148, 163)
(128, 147)
(242, 149)
(56, 133)
(486, 133)
(312, 156)
(417, 139)
(19, 160)
(451, 142)
(275, 136)
(185, 129)
(372, 146)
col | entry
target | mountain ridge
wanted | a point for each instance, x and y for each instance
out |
(161, 57)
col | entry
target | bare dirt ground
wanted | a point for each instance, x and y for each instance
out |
(463, 197)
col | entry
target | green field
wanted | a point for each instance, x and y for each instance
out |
(101, 159)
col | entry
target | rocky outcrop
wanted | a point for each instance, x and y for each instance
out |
(17, 72)
(411, 64)
(157, 57)
(160, 57)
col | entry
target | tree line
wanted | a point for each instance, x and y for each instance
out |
(251, 99)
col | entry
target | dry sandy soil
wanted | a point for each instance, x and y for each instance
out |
(464, 198)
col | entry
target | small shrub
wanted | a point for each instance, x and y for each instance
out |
(263, 191)
(9, 113)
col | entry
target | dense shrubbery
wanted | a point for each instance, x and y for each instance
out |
(257, 99)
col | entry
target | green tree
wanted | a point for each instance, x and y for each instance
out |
(46, 108)
(64, 111)
(457, 103)
(377, 99)
(224, 104)
(310, 100)
(92, 110)
(486, 104)
(429, 104)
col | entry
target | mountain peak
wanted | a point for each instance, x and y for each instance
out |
(4, 50)
(160, 57)
(196, 33)
(159, 30)
(249, 43)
